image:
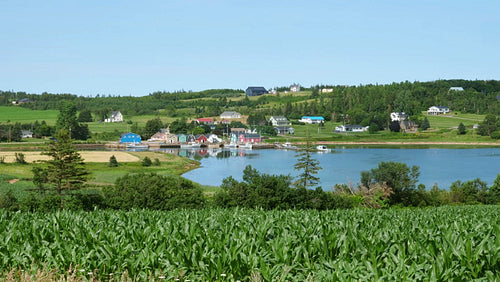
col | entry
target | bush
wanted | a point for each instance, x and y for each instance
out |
(20, 158)
(495, 135)
(146, 161)
(153, 191)
(157, 162)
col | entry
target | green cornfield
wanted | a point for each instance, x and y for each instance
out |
(445, 243)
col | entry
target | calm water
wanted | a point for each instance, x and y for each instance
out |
(344, 165)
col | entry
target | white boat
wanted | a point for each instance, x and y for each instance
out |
(230, 145)
(190, 145)
(288, 145)
(137, 146)
(322, 148)
(246, 146)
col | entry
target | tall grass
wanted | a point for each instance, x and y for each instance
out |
(446, 243)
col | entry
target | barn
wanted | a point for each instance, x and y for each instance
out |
(256, 91)
(130, 138)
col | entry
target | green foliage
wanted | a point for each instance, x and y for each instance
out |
(152, 126)
(470, 192)
(20, 158)
(65, 171)
(307, 165)
(66, 120)
(399, 177)
(425, 124)
(85, 116)
(438, 244)
(461, 129)
(156, 162)
(489, 125)
(153, 191)
(146, 161)
(8, 201)
(112, 161)
(395, 127)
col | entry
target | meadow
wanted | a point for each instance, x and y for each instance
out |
(460, 243)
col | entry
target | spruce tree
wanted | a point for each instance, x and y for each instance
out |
(307, 165)
(65, 170)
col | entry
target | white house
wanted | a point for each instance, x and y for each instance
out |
(26, 134)
(312, 119)
(351, 128)
(456, 89)
(438, 110)
(212, 138)
(116, 116)
(279, 121)
(398, 116)
(294, 88)
(230, 114)
(326, 90)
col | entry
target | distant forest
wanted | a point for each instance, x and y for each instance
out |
(363, 104)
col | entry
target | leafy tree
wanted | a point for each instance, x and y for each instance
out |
(461, 129)
(112, 161)
(373, 128)
(67, 120)
(152, 126)
(179, 126)
(469, 192)
(20, 158)
(65, 171)
(85, 116)
(488, 126)
(395, 127)
(399, 177)
(307, 165)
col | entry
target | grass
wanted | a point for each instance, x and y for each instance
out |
(23, 115)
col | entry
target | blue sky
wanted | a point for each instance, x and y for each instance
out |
(138, 47)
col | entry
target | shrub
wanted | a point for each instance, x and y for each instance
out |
(20, 158)
(146, 161)
(112, 161)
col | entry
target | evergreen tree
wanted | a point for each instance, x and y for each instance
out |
(85, 116)
(112, 161)
(307, 165)
(65, 171)
(461, 129)
(425, 124)
(146, 161)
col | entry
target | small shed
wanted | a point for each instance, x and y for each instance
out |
(200, 138)
(249, 137)
(130, 138)
(182, 138)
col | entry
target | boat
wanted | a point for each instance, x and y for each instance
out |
(245, 146)
(230, 145)
(191, 145)
(322, 148)
(137, 146)
(288, 145)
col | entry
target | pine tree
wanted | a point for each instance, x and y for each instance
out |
(461, 129)
(307, 165)
(112, 161)
(65, 171)
(425, 124)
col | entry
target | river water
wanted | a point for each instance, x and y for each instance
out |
(344, 165)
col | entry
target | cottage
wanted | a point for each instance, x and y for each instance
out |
(230, 114)
(327, 90)
(182, 138)
(26, 134)
(350, 128)
(238, 130)
(312, 119)
(279, 121)
(249, 137)
(164, 137)
(437, 110)
(256, 91)
(398, 116)
(206, 121)
(408, 126)
(294, 88)
(130, 138)
(200, 138)
(115, 116)
(190, 138)
(284, 130)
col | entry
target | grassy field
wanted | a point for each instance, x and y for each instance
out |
(23, 115)
(17, 177)
(459, 243)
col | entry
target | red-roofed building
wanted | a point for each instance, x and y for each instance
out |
(205, 121)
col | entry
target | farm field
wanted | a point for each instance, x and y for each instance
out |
(438, 244)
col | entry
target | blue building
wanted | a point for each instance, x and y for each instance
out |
(130, 138)
(256, 91)
(312, 119)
